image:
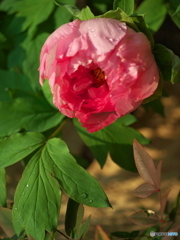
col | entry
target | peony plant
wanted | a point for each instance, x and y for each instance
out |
(98, 70)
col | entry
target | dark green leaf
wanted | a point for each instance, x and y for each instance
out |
(37, 199)
(126, 5)
(173, 213)
(155, 11)
(2, 187)
(6, 221)
(157, 106)
(74, 217)
(164, 61)
(18, 146)
(175, 68)
(130, 235)
(116, 139)
(74, 180)
(34, 12)
(31, 63)
(31, 112)
(12, 80)
(174, 11)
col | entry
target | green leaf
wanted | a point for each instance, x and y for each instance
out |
(116, 139)
(47, 93)
(2, 187)
(73, 10)
(6, 221)
(84, 227)
(127, 120)
(31, 63)
(173, 212)
(168, 63)
(34, 12)
(155, 11)
(37, 200)
(62, 16)
(37, 197)
(86, 14)
(18, 146)
(70, 175)
(157, 106)
(126, 5)
(174, 11)
(163, 59)
(73, 219)
(175, 77)
(121, 16)
(12, 80)
(30, 112)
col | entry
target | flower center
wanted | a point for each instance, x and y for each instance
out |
(98, 77)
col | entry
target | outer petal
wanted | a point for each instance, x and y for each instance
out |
(101, 34)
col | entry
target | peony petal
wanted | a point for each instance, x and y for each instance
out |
(102, 34)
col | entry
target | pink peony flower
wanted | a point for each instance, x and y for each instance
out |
(98, 70)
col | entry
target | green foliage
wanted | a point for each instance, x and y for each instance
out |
(37, 200)
(121, 16)
(30, 112)
(115, 139)
(12, 80)
(31, 63)
(86, 14)
(2, 187)
(73, 222)
(126, 5)
(33, 12)
(50, 169)
(173, 7)
(155, 12)
(18, 146)
(168, 63)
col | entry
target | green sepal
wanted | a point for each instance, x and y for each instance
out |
(120, 15)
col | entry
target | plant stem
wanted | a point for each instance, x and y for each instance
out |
(58, 129)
